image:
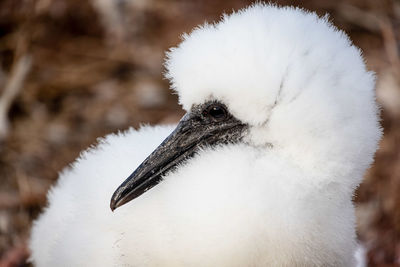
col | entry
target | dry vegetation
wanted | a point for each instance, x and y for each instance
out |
(72, 71)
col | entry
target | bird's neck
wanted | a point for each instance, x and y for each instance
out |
(323, 154)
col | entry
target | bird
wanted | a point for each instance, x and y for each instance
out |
(281, 124)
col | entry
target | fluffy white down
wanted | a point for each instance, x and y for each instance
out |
(294, 77)
(231, 206)
(78, 227)
(283, 197)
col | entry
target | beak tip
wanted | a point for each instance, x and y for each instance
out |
(112, 206)
(114, 203)
(118, 199)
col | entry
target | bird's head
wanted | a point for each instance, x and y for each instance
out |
(274, 78)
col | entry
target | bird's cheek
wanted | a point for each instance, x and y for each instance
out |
(258, 136)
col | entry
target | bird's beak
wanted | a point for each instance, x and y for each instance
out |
(190, 134)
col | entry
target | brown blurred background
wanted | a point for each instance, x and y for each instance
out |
(72, 71)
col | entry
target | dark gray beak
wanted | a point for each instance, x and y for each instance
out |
(199, 128)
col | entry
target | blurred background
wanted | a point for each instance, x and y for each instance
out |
(72, 71)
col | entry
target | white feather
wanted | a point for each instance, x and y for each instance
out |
(282, 197)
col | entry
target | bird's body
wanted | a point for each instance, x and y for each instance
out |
(185, 222)
(242, 220)
(280, 129)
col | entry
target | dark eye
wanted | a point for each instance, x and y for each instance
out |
(215, 111)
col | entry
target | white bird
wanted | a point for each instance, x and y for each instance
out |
(281, 125)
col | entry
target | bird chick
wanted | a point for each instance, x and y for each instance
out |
(281, 125)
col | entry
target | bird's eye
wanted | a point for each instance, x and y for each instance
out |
(215, 111)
